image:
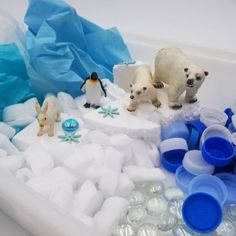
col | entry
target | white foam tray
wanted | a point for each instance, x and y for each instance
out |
(40, 217)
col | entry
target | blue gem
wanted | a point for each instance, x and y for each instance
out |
(70, 125)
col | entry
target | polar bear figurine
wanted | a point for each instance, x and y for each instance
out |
(180, 73)
(142, 89)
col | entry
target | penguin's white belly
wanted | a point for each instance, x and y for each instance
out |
(93, 93)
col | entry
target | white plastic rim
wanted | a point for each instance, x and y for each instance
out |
(212, 116)
(215, 131)
(233, 118)
(194, 163)
(173, 144)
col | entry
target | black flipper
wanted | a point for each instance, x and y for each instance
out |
(103, 89)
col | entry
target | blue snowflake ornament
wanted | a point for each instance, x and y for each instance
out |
(108, 111)
(70, 137)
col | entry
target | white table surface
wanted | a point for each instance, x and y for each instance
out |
(205, 23)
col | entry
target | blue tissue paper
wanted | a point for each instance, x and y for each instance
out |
(64, 48)
(14, 81)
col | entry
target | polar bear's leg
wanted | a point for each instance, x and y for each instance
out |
(156, 81)
(190, 96)
(156, 102)
(132, 105)
(173, 97)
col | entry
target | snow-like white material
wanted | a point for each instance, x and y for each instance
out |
(88, 199)
(54, 179)
(7, 130)
(38, 159)
(125, 186)
(12, 162)
(7, 146)
(24, 174)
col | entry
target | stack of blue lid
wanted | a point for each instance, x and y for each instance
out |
(203, 170)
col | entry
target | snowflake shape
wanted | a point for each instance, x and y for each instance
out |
(70, 137)
(108, 111)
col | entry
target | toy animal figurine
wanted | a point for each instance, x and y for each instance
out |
(180, 73)
(142, 89)
(47, 115)
(93, 89)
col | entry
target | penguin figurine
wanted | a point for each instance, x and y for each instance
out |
(93, 89)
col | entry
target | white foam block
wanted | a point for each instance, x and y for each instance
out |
(7, 130)
(113, 159)
(154, 153)
(125, 186)
(63, 197)
(28, 136)
(126, 122)
(141, 174)
(7, 146)
(38, 159)
(141, 154)
(105, 222)
(24, 174)
(116, 205)
(123, 143)
(88, 199)
(123, 74)
(61, 151)
(12, 163)
(109, 181)
(48, 183)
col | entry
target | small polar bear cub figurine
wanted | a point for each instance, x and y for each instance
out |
(180, 73)
(48, 115)
(142, 89)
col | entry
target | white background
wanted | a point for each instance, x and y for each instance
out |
(205, 23)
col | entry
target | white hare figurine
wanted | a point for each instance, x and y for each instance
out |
(47, 115)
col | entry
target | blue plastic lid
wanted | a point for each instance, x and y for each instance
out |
(225, 169)
(229, 113)
(202, 212)
(196, 124)
(193, 138)
(183, 179)
(176, 129)
(70, 125)
(171, 160)
(230, 183)
(217, 151)
(209, 184)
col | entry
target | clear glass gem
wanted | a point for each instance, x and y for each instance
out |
(136, 198)
(176, 209)
(124, 230)
(156, 206)
(182, 230)
(226, 228)
(166, 221)
(147, 230)
(155, 188)
(232, 212)
(136, 215)
(173, 193)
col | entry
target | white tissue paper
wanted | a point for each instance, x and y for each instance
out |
(48, 183)
(87, 220)
(98, 137)
(38, 159)
(12, 163)
(142, 174)
(7, 130)
(88, 199)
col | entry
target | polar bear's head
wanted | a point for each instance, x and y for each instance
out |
(194, 77)
(138, 91)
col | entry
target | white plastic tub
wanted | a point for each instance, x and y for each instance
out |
(40, 217)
